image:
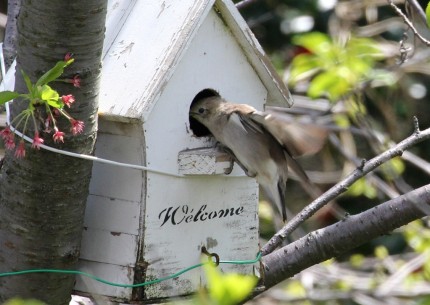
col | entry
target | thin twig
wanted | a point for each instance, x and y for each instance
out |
(408, 22)
(244, 3)
(396, 279)
(342, 186)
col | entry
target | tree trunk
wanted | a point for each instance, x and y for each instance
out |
(43, 196)
(11, 32)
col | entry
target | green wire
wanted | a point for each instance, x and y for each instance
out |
(76, 272)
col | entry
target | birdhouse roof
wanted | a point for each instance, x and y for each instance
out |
(145, 40)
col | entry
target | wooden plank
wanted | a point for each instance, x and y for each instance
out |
(109, 247)
(203, 161)
(113, 181)
(112, 215)
(117, 13)
(108, 272)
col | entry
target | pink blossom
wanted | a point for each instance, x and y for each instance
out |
(77, 126)
(8, 137)
(9, 143)
(20, 150)
(68, 56)
(76, 81)
(58, 135)
(68, 100)
(48, 121)
(5, 133)
(37, 141)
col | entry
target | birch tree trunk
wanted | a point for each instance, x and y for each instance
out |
(43, 196)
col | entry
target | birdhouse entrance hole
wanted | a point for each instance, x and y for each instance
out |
(199, 129)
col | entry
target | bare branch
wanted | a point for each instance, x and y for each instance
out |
(408, 22)
(342, 186)
(344, 235)
(414, 4)
(244, 3)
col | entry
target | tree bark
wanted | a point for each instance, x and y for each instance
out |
(11, 32)
(345, 235)
(43, 196)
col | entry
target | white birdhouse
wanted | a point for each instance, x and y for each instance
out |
(146, 225)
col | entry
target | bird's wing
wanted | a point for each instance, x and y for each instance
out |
(301, 139)
(278, 130)
(240, 114)
(249, 124)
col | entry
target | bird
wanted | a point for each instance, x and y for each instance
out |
(259, 142)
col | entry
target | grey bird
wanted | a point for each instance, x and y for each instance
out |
(259, 142)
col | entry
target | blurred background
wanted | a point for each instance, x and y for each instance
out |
(356, 71)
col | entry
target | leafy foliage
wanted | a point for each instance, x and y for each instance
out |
(228, 289)
(18, 301)
(41, 95)
(335, 68)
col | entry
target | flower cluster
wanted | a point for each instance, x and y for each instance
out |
(41, 95)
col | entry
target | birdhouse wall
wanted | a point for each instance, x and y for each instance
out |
(213, 60)
(141, 226)
(113, 214)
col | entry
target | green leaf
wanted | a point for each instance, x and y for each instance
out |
(50, 96)
(17, 301)
(304, 66)
(228, 289)
(27, 81)
(381, 252)
(54, 73)
(423, 300)
(6, 96)
(315, 42)
(357, 260)
(295, 289)
(428, 14)
(393, 168)
(362, 187)
(342, 120)
(330, 83)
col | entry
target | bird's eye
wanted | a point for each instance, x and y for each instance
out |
(201, 110)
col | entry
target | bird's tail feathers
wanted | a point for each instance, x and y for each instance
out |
(281, 191)
(296, 167)
(275, 193)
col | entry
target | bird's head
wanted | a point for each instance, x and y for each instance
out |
(205, 109)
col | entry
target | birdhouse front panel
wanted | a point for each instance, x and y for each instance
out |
(183, 214)
(145, 225)
(112, 224)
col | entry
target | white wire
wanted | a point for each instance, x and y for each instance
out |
(68, 153)
(3, 68)
(83, 156)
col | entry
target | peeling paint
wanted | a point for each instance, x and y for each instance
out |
(211, 242)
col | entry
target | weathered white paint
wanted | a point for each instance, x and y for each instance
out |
(151, 56)
(203, 161)
(117, 14)
(141, 226)
(109, 272)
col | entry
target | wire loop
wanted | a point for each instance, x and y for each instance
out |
(210, 255)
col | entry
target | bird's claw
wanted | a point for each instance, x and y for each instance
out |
(227, 171)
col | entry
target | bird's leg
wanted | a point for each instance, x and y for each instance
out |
(224, 148)
(234, 159)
